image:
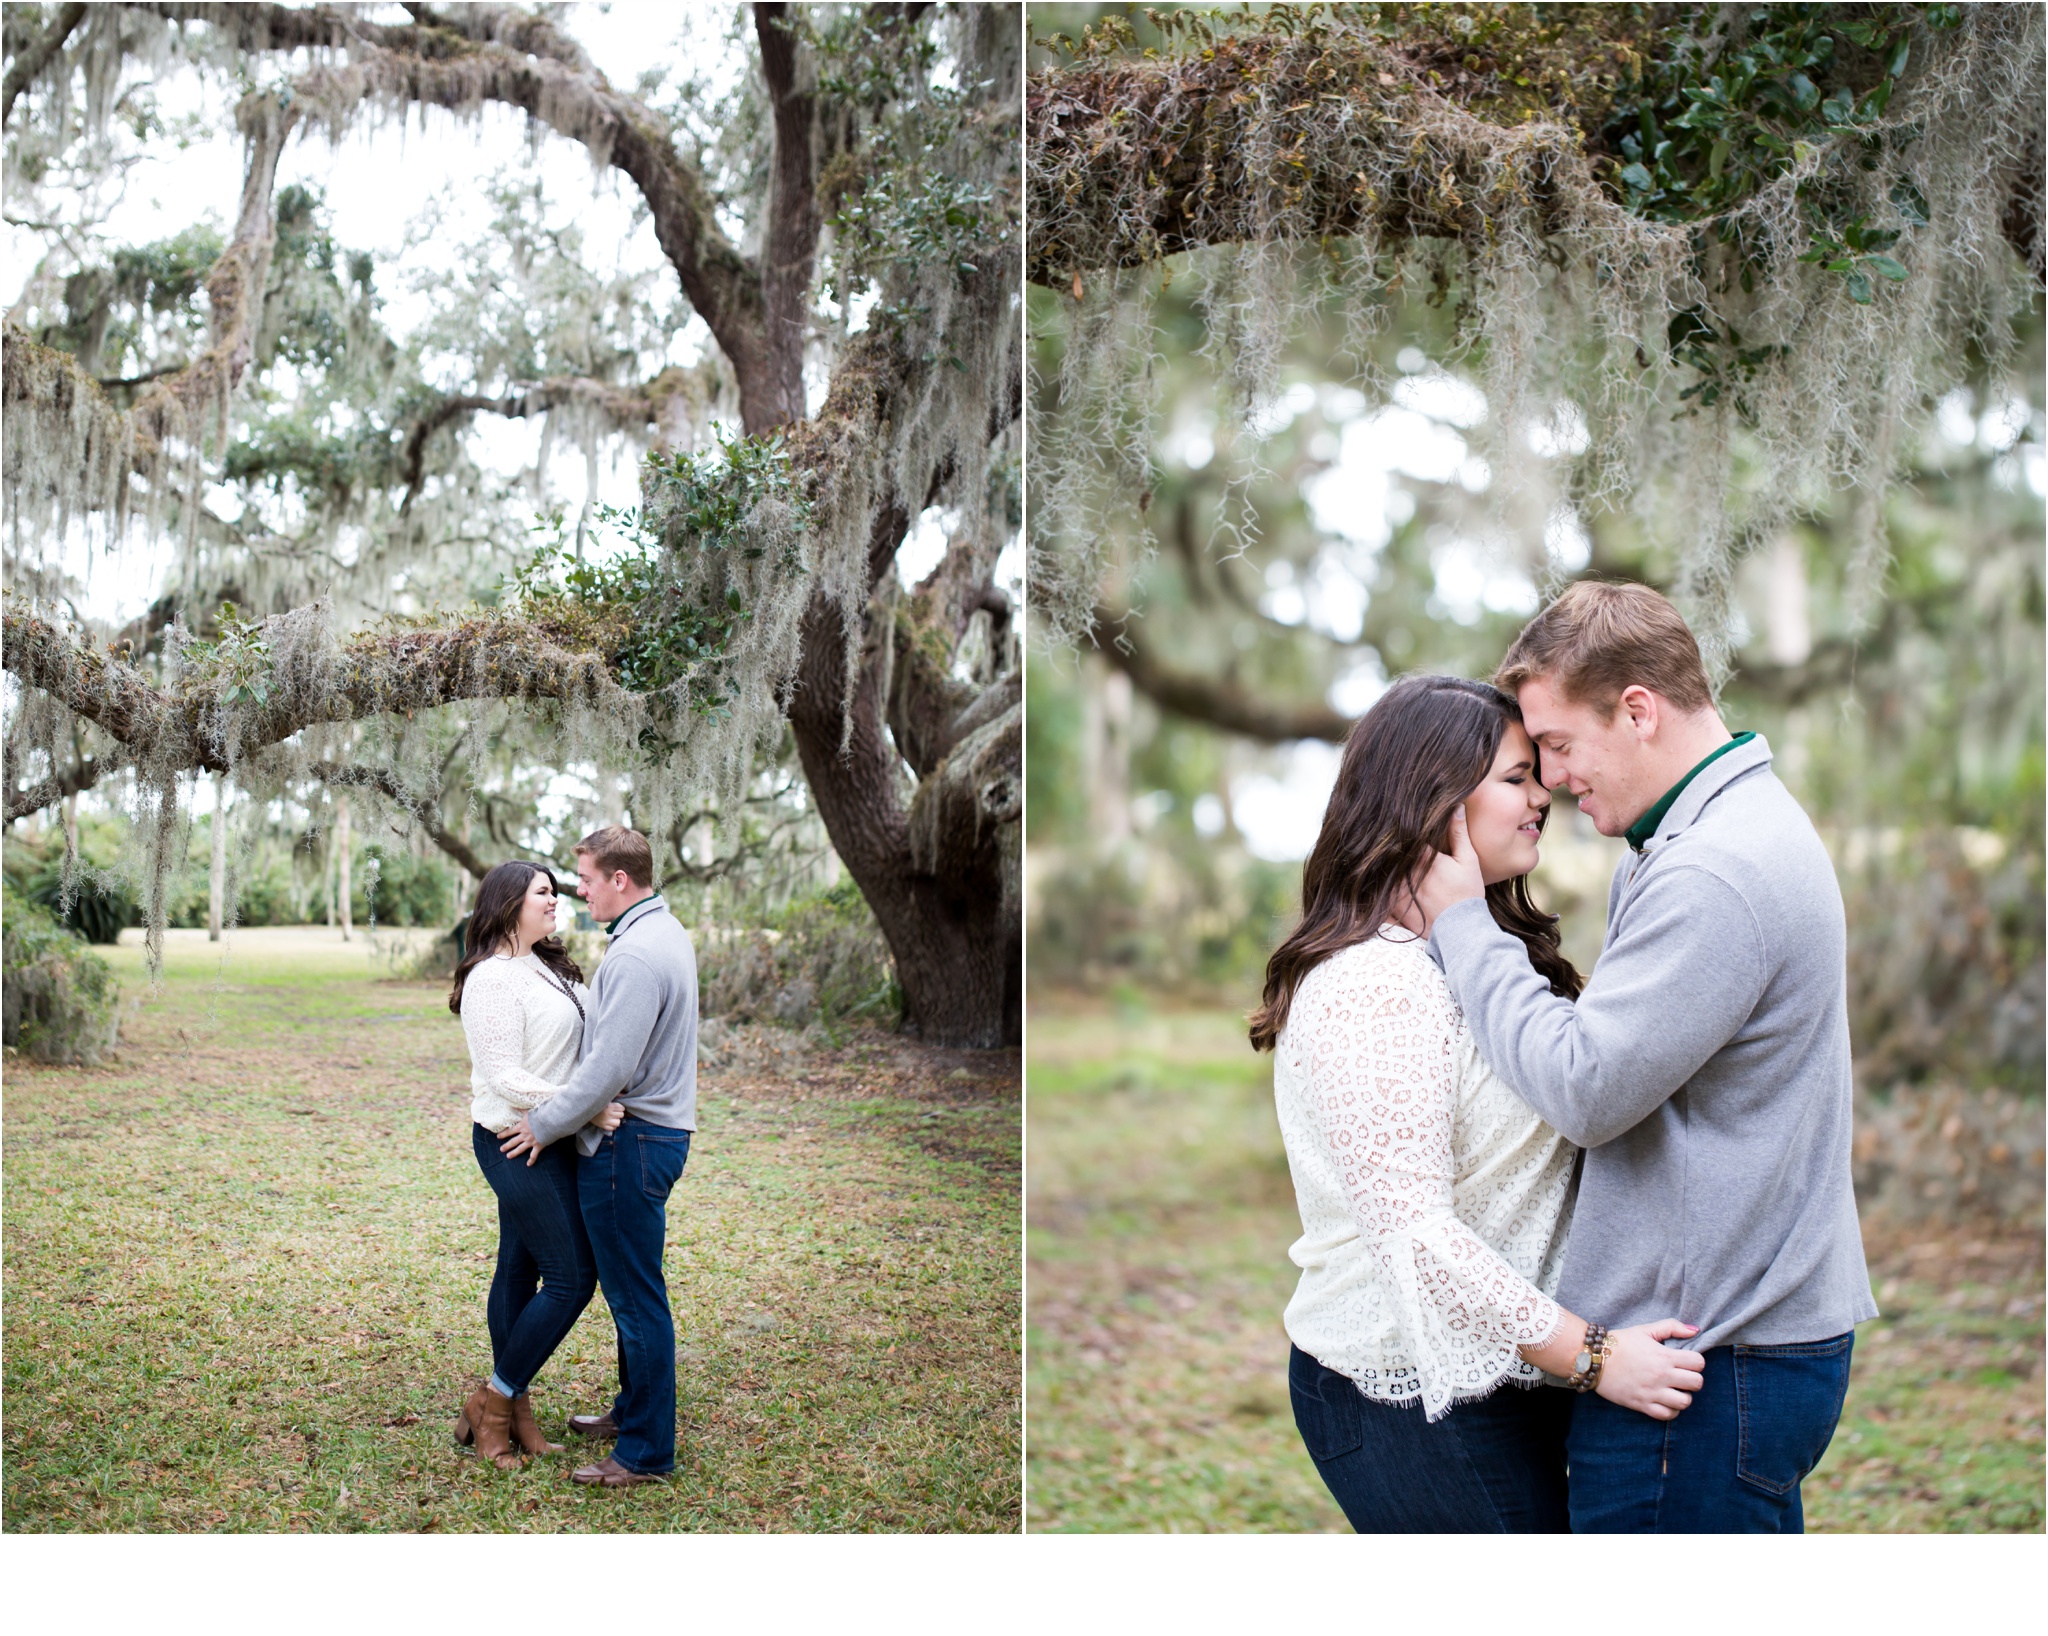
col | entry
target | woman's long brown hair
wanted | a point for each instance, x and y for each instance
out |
(1408, 762)
(498, 902)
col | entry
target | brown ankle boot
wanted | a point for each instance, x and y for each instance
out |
(526, 1430)
(486, 1421)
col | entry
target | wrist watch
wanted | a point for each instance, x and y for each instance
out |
(1585, 1375)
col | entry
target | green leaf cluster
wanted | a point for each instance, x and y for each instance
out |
(142, 310)
(898, 195)
(1709, 126)
(237, 663)
(666, 615)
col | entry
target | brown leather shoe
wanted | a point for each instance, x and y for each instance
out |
(608, 1473)
(526, 1430)
(594, 1425)
(486, 1421)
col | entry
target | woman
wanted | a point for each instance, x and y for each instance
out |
(521, 1000)
(1434, 1203)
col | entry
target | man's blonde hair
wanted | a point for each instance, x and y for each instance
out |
(614, 848)
(1598, 639)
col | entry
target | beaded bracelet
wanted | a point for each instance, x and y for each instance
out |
(1585, 1376)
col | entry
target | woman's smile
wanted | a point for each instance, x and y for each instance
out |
(1506, 812)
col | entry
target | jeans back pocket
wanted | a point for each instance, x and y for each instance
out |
(663, 1154)
(1787, 1400)
(1327, 1410)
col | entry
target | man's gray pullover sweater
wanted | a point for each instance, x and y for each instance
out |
(640, 1039)
(1705, 1070)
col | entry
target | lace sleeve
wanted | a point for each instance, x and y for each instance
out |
(494, 1022)
(1380, 1059)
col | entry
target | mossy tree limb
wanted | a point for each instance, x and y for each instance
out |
(915, 409)
(61, 418)
(1770, 237)
(35, 57)
(373, 674)
(1133, 161)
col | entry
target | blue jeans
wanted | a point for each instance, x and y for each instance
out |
(545, 1275)
(1491, 1467)
(624, 1187)
(1730, 1464)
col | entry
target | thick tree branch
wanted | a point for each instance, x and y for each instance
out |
(793, 221)
(262, 27)
(510, 26)
(35, 58)
(1187, 126)
(375, 674)
(114, 696)
(47, 792)
(68, 421)
(1250, 117)
(929, 709)
(960, 807)
(424, 810)
(1218, 700)
(623, 407)
(440, 67)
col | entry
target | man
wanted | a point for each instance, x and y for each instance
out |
(640, 1049)
(1705, 1070)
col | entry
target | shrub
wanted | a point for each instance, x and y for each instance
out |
(59, 1001)
(97, 910)
(418, 959)
(1945, 964)
(100, 905)
(822, 958)
(264, 896)
(1939, 1151)
(1175, 915)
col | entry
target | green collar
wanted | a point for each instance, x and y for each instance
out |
(651, 896)
(1643, 828)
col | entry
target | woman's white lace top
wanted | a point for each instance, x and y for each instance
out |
(1434, 1203)
(524, 1034)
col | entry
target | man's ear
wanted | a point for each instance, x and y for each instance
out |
(1644, 710)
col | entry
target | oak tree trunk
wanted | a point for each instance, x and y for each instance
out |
(957, 949)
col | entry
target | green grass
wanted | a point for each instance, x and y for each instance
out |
(1159, 1210)
(1160, 1215)
(1942, 1430)
(246, 1266)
